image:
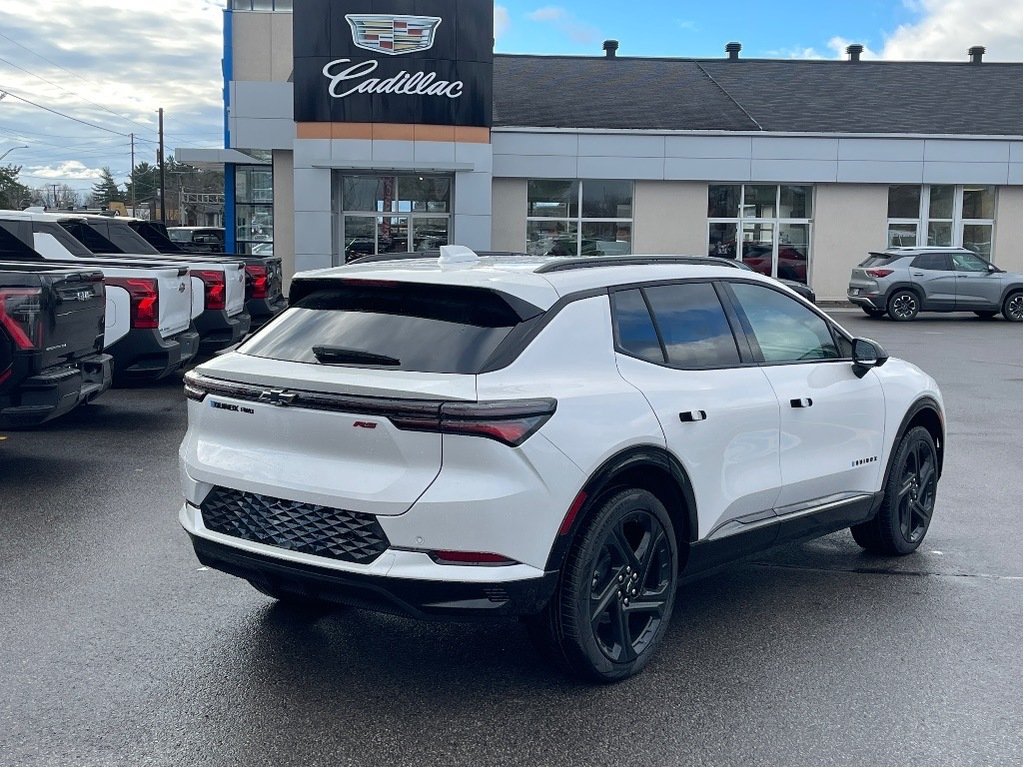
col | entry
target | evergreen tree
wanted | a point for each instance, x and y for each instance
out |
(106, 189)
(13, 194)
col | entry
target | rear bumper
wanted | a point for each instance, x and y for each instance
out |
(217, 330)
(144, 355)
(418, 598)
(262, 311)
(56, 391)
(868, 301)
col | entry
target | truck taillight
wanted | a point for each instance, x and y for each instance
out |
(258, 273)
(145, 299)
(215, 287)
(21, 316)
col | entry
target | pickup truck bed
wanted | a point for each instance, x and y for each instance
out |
(51, 341)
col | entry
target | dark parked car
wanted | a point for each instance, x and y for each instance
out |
(198, 239)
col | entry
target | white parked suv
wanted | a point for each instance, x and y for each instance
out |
(556, 438)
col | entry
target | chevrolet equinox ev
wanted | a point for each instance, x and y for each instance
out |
(561, 439)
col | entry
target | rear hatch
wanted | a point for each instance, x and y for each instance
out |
(339, 402)
(859, 277)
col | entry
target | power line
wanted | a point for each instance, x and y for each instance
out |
(61, 114)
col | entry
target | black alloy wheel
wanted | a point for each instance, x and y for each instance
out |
(909, 502)
(615, 596)
(903, 305)
(1012, 310)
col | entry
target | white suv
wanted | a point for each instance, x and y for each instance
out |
(549, 437)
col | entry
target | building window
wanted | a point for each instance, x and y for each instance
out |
(943, 214)
(281, 6)
(772, 222)
(390, 214)
(579, 218)
(254, 209)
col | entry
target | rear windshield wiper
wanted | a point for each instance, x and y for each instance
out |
(341, 355)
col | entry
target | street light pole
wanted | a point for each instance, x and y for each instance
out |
(20, 146)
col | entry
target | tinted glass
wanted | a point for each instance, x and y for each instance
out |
(693, 325)
(722, 240)
(978, 238)
(795, 202)
(941, 204)
(723, 201)
(932, 261)
(875, 260)
(759, 201)
(552, 198)
(607, 199)
(785, 330)
(438, 330)
(605, 238)
(905, 202)
(940, 233)
(128, 240)
(902, 234)
(551, 238)
(70, 243)
(89, 237)
(634, 328)
(979, 202)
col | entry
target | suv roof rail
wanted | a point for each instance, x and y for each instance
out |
(588, 262)
(435, 254)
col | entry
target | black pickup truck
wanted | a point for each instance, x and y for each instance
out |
(51, 341)
(263, 297)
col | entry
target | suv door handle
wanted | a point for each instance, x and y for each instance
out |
(692, 416)
(801, 402)
(918, 274)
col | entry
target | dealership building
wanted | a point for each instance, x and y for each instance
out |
(390, 125)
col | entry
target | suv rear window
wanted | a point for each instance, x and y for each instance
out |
(392, 326)
(876, 260)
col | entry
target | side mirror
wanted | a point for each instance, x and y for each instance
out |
(867, 354)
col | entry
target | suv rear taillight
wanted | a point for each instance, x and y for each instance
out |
(258, 283)
(145, 299)
(508, 421)
(21, 316)
(215, 287)
(879, 272)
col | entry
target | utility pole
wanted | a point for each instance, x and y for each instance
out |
(132, 135)
(163, 194)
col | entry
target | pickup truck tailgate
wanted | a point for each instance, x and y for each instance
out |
(175, 300)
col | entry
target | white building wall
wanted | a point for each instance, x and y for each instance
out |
(670, 217)
(1008, 252)
(508, 221)
(849, 221)
(284, 214)
(261, 46)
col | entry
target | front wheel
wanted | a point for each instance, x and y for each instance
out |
(909, 501)
(903, 305)
(615, 595)
(1012, 307)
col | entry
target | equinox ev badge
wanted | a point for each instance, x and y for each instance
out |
(277, 397)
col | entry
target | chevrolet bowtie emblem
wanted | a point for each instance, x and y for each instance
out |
(277, 397)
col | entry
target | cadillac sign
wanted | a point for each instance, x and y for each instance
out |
(382, 67)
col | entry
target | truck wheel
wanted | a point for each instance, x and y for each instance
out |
(614, 597)
(909, 501)
(903, 305)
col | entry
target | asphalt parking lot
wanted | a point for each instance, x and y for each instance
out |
(117, 647)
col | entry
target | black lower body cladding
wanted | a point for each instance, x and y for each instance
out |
(145, 355)
(218, 330)
(55, 391)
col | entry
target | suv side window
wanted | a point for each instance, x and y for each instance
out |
(634, 329)
(693, 326)
(785, 330)
(934, 261)
(968, 262)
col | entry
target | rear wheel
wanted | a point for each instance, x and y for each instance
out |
(909, 501)
(615, 595)
(872, 312)
(903, 305)
(985, 315)
(1012, 307)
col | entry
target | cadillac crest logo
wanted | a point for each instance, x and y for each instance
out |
(392, 35)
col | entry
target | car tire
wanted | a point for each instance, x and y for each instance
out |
(626, 552)
(909, 502)
(874, 314)
(1012, 307)
(903, 305)
(985, 315)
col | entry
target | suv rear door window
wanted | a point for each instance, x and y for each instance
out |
(634, 328)
(937, 262)
(392, 326)
(693, 325)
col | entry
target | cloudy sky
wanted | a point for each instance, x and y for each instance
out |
(80, 76)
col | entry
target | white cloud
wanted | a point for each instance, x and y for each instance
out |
(501, 21)
(575, 29)
(548, 13)
(686, 24)
(950, 27)
(71, 170)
